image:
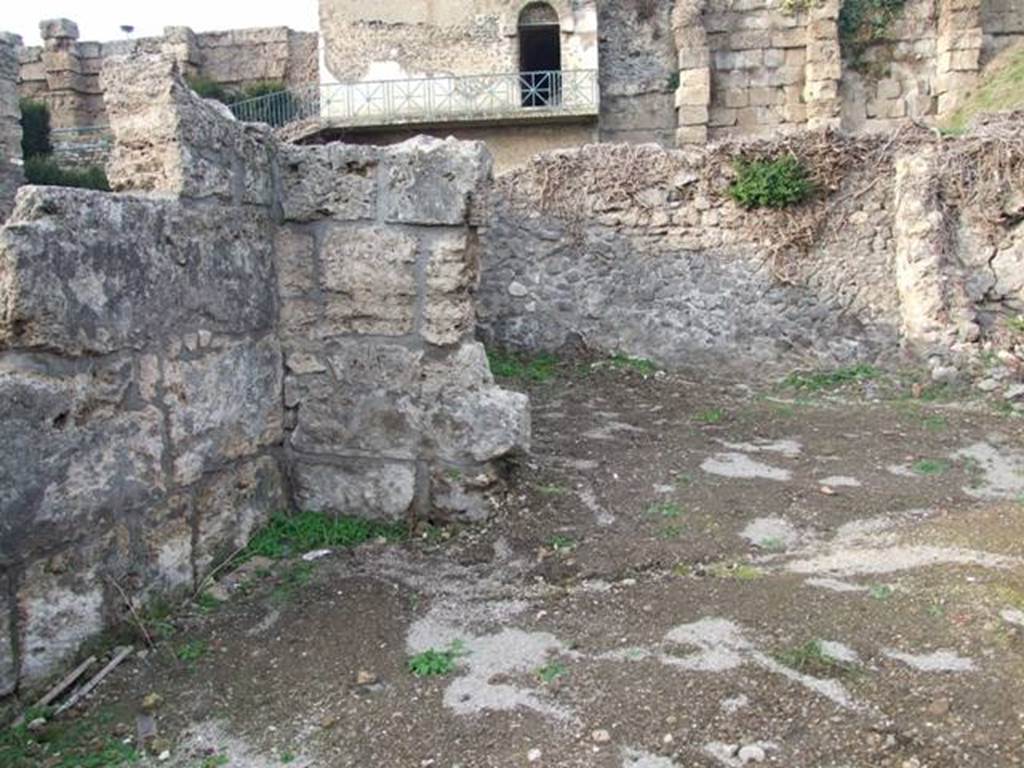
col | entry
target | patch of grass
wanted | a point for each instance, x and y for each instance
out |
(710, 416)
(44, 170)
(817, 381)
(192, 651)
(435, 663)
(777, 183)
(287, 757)
(537, 369)
(562, 543)
(294, 579)
(863, 23)
(1016, 324)
(551, 672)
(881, 592)
(1001, 90)
(929, 467)
(215, 761)
(638, 364)
(670, 532)
(668, 510)
(935, 423)
(287, 536)
(82, 743)
(811, 659)
(736, 571)
(772, 544)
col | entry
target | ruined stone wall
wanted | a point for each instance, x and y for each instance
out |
(65, 72)
(642, 251)
(1003, 25)
(11, 174)
(243, 328)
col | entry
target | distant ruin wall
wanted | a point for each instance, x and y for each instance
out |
(642, 251)
(11, 171)
(243, 328)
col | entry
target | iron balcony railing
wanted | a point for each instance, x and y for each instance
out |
(430, 99)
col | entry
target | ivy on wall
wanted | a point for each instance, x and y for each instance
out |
(863, 23)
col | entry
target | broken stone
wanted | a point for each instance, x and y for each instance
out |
(751, 754)
(601, 736)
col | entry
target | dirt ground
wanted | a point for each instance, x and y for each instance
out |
(685, 572)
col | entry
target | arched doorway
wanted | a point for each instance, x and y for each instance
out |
(540, 56)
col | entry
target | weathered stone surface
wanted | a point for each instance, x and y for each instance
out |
(8, 663)
(369, 276)
(338, 181)
(295, 262)
(433, 182)
(223, 405)
(452, 273)
(366, 488)
(134, 269)
(11, 175)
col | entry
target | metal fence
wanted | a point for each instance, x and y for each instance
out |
(430, 99)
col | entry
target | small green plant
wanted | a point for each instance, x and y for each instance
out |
(638, 364)
(562, 543)
(215, 761)
(1016, 324)
(35, 129)
(435, 663)
(811, 658)
(881, 592)
(791, 7)
(929, 467)
(711, 416)
(778, 183)
(294, 579)
(287, 757)
(772, 544)
(551, 672)
(210, 89)
(863, 23)
(935, 423)
(44, 170)
(192, 651)
(551, 489)
(736, 571)
(666, 509)
(815, 381)
(287, 536)
(80, 743)
(509, 366)
(670, 532)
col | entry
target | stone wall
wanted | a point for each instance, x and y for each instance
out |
(642, 251)
(242, 328)
(65, 72)
(11, 174)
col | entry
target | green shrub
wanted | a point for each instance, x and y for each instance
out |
(770, 183)
(44, 170)
(35, 128)
(862, 23)
(210, 89)
(263, 88)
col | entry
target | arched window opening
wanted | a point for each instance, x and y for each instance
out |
(540, 56)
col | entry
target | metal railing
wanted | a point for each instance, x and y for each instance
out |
(430, 99)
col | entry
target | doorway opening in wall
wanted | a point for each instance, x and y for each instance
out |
(540, 56)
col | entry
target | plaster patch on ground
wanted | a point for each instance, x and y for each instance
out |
(509, 652)
(728, 754)
(634, 758)
(602, 516)
(611, 429)
(902, 470)
(856, 530)
(841, 481)
(719, 645)
(212, 738)
(855, 561)
(839, 652)
(1012, 616)
(734, 704)
(1003, 471)
(741, 466)
(835, 585)
(789, 448)
(940, 661)
(264, 624)
(773, 530)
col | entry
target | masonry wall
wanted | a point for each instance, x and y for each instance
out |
(11, 174)
(641, 251)
(242, 329)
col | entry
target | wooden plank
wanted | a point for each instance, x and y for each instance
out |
(59, 688)
(122, 653)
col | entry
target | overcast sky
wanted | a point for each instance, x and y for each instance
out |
(102, 20)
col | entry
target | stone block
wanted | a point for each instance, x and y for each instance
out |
(295, 262)
(735, 97)
(762, 96)
(750, 39)
(369, 488)
(433, 182)
(223, 406)
(722, 116)
(694, 58)
(369, 280)
(163, 269)
(58, 29)
(452, 273)
(774, 57)
(695, 115)
(789, 38)
(337, 181)
(691, 134)
(888, 88)
(480, 425)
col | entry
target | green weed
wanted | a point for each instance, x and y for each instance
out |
(294, 579)
(638, 364)
(192, 651)
(509, 366)
(736, 571)
(667, 509)
(881, 592)
(562, 543)
(817, 381)
(772, 544)
(777, 183)
(215, 761)
(551, 489)
(670, 532)
(287, 536)
(551, 672)
(711, 416)
(83, 743)
(929, 467)
(810, 658)
(435, 663)
(935, 423)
